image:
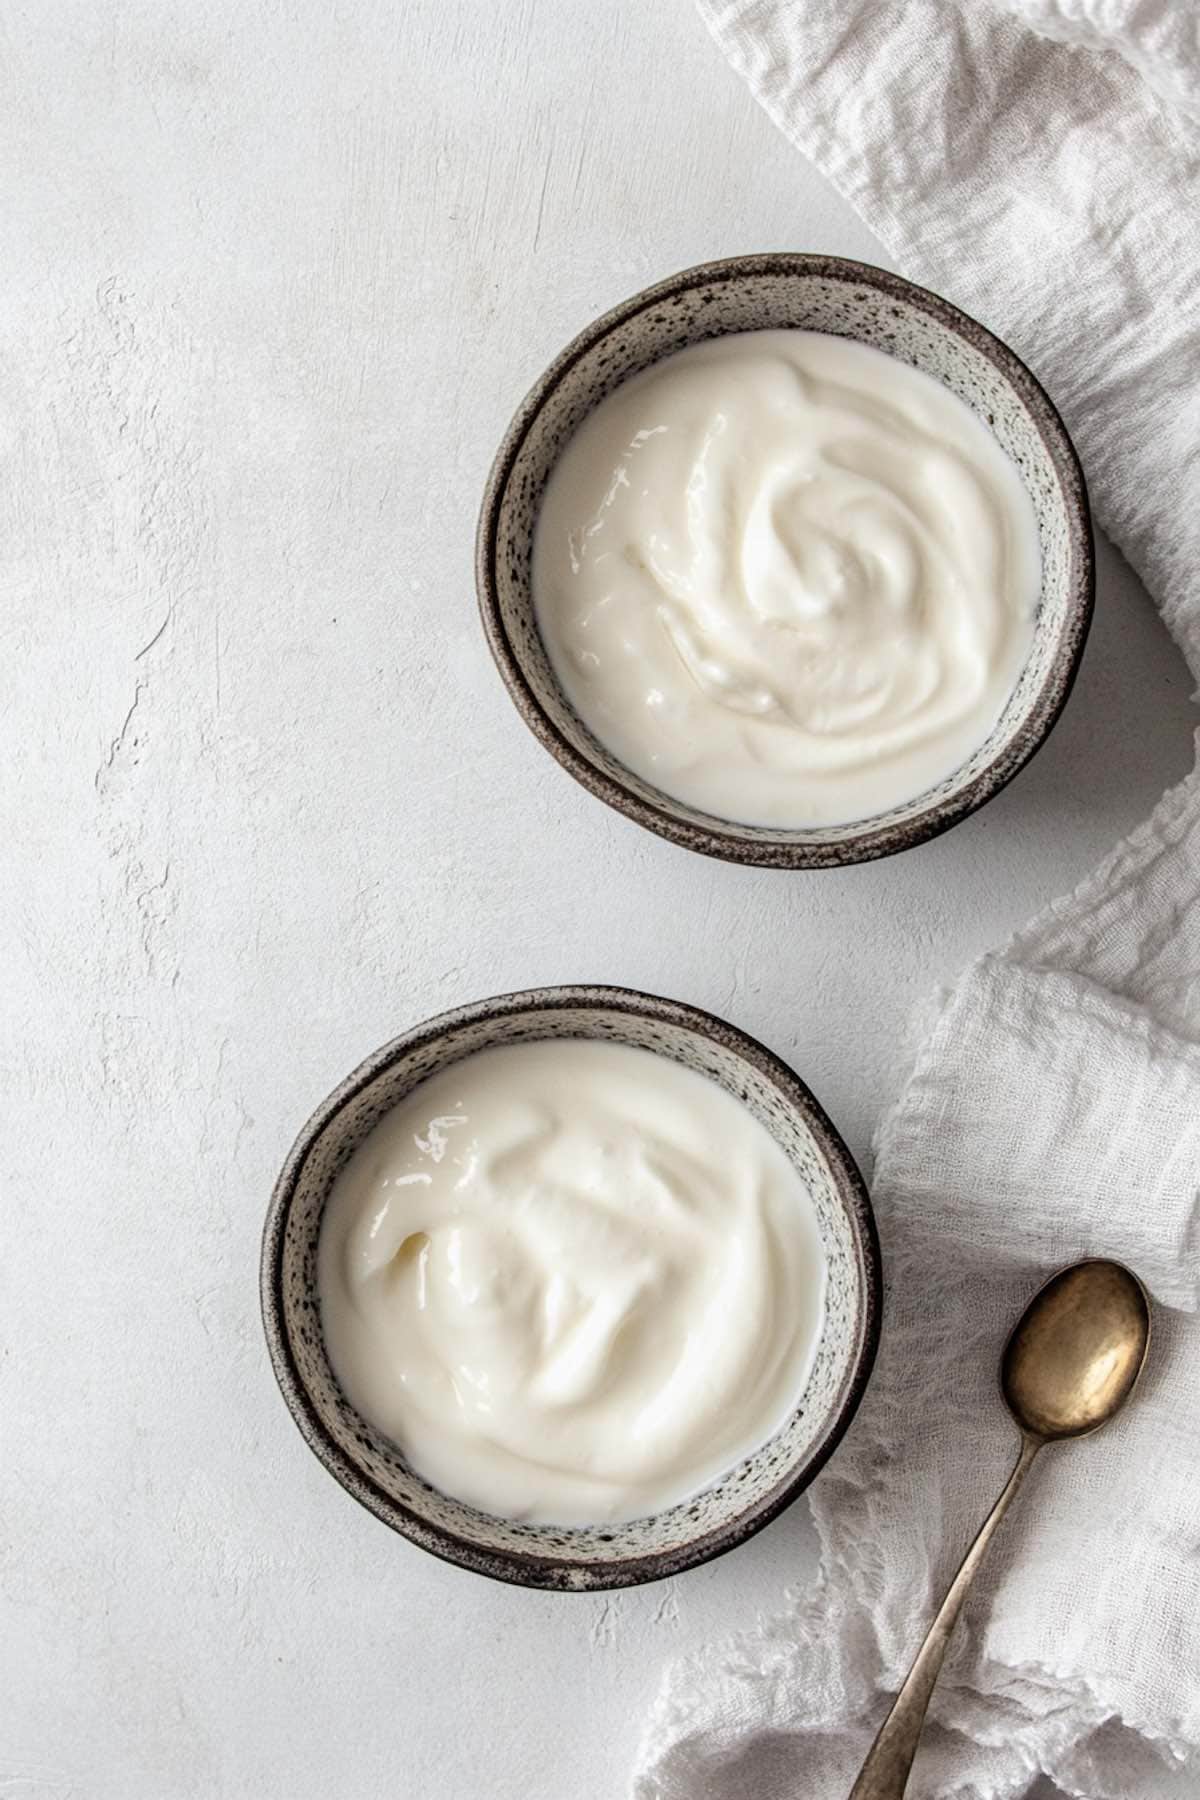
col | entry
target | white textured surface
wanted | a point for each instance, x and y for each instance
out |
(274, 279)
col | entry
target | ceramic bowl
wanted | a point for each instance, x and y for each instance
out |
(849, 299)
(373, 1469)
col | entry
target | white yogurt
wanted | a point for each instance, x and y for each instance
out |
(786, 578)
(574, 1281)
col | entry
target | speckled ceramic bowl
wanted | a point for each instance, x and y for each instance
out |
(603, 1556)
(819, 293)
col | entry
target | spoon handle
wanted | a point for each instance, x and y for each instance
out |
(884, 1775)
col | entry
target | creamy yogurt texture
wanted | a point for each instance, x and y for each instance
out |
(574, 1281)
(786, 578)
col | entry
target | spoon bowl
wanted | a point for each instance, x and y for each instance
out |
(1076, 1351)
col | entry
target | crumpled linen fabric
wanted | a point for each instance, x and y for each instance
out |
(1039, 164)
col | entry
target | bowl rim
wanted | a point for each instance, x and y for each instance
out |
(766, 849)
(549, 1571)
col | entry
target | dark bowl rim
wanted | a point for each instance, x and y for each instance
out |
(550, 1572)
(713, 837)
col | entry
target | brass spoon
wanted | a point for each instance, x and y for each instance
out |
(1069, 1365)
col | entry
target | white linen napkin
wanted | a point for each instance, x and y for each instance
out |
(1052, 188)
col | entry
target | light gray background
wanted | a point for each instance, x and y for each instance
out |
(274, 277)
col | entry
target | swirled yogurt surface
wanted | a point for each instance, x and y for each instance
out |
(573, 1280)
(786, 578)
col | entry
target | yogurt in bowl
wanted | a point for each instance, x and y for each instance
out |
(789, 560)
(621, 1324)
(786, 577)
(573, 1280)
